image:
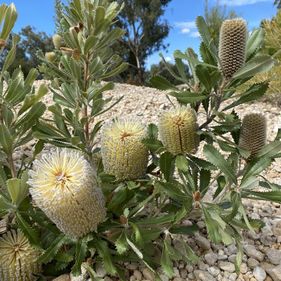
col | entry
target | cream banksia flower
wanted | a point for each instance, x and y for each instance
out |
(57, 41)
(123, 153)
(64, 187)
(232, 46)
(253, 133)
(177, 129)
(18, 259)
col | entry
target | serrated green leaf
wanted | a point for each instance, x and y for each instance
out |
(214, 156)
(162, 83)
(29, 232)
(6, 139)
(166, 164)
(121, 244)
(270, 150)
(18, 189)
(253, 93)
(254, 42)
(80, 255)
(203, 29)
(166, 262)
(104, 252)
(254, 66)
(181, 163)
(53, 249)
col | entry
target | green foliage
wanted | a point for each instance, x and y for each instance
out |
(272, 44)
(144, 214)
(26, 50)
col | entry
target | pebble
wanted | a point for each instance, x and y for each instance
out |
(137, 274)
(202, 242)
(275, 272)
(252, 263)
(227, 266)
(203, 275)
(243, 268)
(259, 273)
(274, 256)
(214, 271)
(211, 258)
(252, 252)
(148, 274)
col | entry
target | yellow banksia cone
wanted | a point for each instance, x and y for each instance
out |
(57, 41)
(64, 187)
(232, 46)
(253, 133)
(18, 259)
(50, 56)
(123, 153)
(178, 130)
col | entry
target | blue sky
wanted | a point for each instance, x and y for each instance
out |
(180, 15)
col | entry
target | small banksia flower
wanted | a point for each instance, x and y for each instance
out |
(64, 187)
(50, 56)
(123, 153)
(177, 129)
(57, 41)
(253, 133)
(232, 46)
(18, 259)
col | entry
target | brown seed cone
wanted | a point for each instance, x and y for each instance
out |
(232, 46)
(253, 133)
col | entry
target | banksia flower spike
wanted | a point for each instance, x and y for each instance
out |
(253, 133)
(232, 46)
(177, 129)
(50, 56)
(123, 153)
(64, 187)
(18, 259)
(57, 41)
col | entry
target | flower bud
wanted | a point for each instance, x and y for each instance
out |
(18, 259)
(178, 130)
(57, 41)
(253, 133)
(64, 187)
(232, 46)
(123, 153)
(50, 56)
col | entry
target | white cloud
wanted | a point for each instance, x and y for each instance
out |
(185, 30)
(195, 34)
(168, 59)
(186, 24)
(241, 2)
(187, 27)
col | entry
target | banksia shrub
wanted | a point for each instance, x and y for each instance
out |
(123, 153)
(232, 46)
(63, 185)
(253, 133)
(177, 129)
(18, 259)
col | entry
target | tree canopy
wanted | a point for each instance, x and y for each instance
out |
(145, 34)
